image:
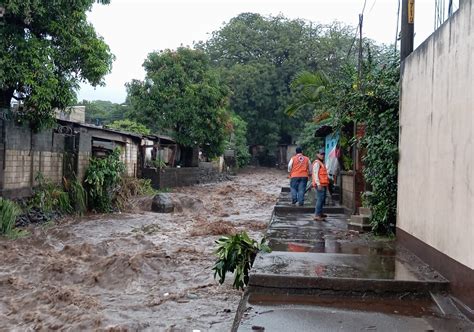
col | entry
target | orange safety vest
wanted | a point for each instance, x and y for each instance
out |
(322, 174)
(299, 168)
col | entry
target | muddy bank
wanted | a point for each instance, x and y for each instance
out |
(135, 271)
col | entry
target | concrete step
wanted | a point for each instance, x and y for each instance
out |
(364, 211)
(333, 311)
(308, 273)
(288, 209)
(359, 223)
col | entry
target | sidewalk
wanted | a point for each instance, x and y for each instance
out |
(321, 276)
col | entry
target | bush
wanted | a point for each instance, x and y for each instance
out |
(77, 196)
(50, 197)
(130, 126)
(237, 253)
(8, 213)
(102, 179)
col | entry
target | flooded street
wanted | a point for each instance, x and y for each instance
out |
(135, 271)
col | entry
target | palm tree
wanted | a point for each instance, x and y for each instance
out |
(310, 87)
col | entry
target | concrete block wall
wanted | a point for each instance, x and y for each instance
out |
(17, 172)
(179, 177)
(22, 168)
(49, 164)
(24, 154)
(82, 164)
(130, 158)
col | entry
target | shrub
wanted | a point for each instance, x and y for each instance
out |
(50, 197)
(77, 196)
(236, 253)
(8, 213)
(101, 180)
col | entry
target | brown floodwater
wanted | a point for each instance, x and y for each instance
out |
(135, 271)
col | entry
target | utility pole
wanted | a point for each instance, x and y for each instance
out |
(359, 64)
(357, 176)
(407, 29)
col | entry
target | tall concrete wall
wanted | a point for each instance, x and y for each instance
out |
(24, 155)
(436, 168)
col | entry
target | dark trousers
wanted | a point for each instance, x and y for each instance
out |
(298, 188)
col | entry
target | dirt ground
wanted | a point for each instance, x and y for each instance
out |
(135, 271)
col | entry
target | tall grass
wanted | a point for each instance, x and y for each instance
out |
(77, 196)
(8, 213)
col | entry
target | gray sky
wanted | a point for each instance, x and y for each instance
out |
(134, 28)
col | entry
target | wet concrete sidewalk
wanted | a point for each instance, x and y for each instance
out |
(321, 276)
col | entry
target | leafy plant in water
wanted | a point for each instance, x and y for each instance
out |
(236, 254)
(77, 195)
(8, 213)
(101, 180)
(50, 197)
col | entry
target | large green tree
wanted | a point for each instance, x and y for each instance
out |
(46, 49)
(183, 95)
(259, 57)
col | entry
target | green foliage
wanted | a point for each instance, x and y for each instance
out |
(235, 254)
(238, 140)
(309, 89)
(183, 95)
(308, 141)
(158, 163)
(103, 112)
(46, 49)
(129, 126)
(8, 213)
(371, 100)
(50, 197)
(77, 196)
(101, 180)
(258, 58)
(379, 112)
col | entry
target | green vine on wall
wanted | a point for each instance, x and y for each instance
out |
(378, 110)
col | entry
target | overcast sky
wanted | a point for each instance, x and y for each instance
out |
(134, 28)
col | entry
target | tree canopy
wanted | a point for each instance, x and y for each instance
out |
(129, 126)
(102, 112)
(259, 57)
(46, 49)
(183, 95)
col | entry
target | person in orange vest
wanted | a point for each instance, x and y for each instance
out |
(320, 181)
(299, 168)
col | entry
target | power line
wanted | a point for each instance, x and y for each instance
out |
(398, 22)
(375, 1)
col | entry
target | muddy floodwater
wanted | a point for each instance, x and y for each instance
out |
(135, 271)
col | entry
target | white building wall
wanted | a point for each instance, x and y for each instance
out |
(436, 168)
